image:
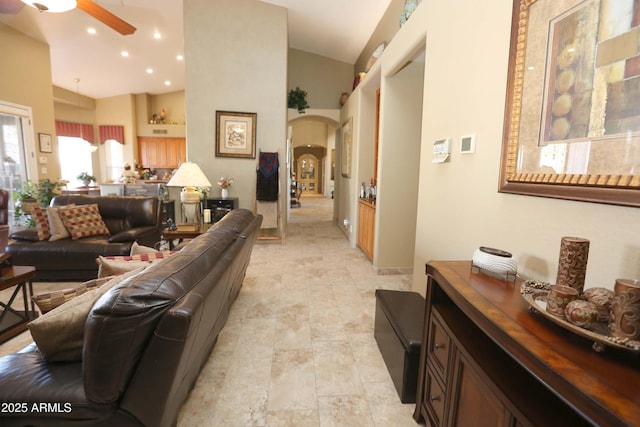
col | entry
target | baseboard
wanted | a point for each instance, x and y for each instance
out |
(391, 271)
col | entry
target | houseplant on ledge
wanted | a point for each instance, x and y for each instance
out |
(297, 99)
(86, 178)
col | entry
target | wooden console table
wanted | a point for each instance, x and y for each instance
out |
(486, 357)
(13, 321)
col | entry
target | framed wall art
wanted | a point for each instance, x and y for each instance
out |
(345, 153)
(236, 134)
(572, 120)
(44, 141)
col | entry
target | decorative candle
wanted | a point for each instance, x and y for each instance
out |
(572, 265)
(207, 216)
(625, 310)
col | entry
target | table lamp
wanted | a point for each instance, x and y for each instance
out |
(189, 176)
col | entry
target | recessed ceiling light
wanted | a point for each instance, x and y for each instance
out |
(91, 30)
(167, 82)
(179, 57)
(157, 35)
(124, 53)
(149, 70)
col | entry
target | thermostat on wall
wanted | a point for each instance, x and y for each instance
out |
(441, 150)
(468, 144)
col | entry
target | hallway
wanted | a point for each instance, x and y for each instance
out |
(298, 349)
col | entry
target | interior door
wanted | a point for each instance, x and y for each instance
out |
(308, 173)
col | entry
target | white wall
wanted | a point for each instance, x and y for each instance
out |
(236, 60)
(459, 208)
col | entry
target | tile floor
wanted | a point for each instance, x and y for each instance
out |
(298, 349)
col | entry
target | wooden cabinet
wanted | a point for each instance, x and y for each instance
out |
(166, 153)
(486, 360)
(366, 226)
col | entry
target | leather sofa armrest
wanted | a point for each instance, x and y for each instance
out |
(28, 235)
(133, 234)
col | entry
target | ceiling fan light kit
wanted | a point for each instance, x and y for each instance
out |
(89, 7)
(55, 6)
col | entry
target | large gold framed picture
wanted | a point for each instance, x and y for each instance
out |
(236, 134)
(572, 118)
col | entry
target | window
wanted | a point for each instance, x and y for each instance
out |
(115, 159)
(75, 158)
(14, 126)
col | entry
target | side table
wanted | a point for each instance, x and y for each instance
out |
(182, 233)
(13, 321)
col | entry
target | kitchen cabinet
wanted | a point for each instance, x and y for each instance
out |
(366, 226)
(486, 360)
(165, 153)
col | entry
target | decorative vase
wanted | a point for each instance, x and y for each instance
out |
(225, 193)
(86, 182)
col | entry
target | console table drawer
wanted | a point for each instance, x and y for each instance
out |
(435, 394)
(439, 345)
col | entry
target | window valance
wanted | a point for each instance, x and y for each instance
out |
(75, 130)
(108, 132)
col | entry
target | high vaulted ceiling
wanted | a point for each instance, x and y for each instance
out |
(338, 29)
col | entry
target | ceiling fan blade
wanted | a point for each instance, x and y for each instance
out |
(10, 7)
(106, 17)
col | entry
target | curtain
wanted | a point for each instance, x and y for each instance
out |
(75, 130)
(108, 132)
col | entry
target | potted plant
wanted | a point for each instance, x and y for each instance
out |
(86, 178)
(25, 200)
(34, 194)
(297, 99)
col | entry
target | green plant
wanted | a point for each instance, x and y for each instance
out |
(47, 190)
(85, 177)
(297, 99)
(32, 193)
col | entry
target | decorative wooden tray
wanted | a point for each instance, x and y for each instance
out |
(536, 297)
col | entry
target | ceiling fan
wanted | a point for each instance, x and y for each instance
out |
(87, 6)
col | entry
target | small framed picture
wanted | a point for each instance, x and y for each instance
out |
(45, 143)
(235, 134)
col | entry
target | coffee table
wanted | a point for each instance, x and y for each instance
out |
(13, 321)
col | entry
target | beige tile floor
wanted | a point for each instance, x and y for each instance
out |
(298, 349)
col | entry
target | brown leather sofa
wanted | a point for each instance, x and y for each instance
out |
(128, 219)
(145, 340)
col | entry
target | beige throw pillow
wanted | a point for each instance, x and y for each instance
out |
(137, 249)
(110, 265)
(49, 300)
(59, 334)
(56, 226)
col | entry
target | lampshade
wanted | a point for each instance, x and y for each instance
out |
(54, 6)
(189, 174)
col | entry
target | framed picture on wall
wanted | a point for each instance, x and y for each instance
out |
(572, 123)
(236, 134)
(44, 140)
(345, 154)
